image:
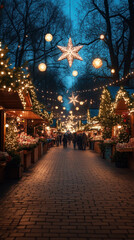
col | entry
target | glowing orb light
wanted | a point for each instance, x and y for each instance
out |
(42, 67)
(81, 103)
(59, 98)
(97, 63)
(102, 36)
(48, 37)
(113, 70)
(75, 73)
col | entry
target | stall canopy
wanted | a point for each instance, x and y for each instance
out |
(10, 100)
(25, 115)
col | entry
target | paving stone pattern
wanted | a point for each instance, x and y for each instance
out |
(69, 194)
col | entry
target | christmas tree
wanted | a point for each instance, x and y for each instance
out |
(11, 143)
(106, 113)
(6, 74)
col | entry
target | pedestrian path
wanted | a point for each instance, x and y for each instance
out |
(69, 194)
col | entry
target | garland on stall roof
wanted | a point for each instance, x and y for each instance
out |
(17, 79)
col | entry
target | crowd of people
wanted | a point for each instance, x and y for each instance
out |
(79, 140)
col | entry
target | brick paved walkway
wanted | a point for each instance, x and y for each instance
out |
(69, 195)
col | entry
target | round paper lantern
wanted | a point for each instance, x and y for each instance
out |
(113, 70)
(59, 98)
(97, 63)
(75, 73)
(48, 37)
(102, 36)
(42, 67)
(81, 103)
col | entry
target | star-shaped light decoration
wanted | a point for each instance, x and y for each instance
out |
(70, 52)
(73, 99)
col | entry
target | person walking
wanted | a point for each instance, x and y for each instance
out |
(74, 140)
(84, 141)
(64, 141)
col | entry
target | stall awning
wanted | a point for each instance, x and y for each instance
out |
(29, 115)
(10, 100)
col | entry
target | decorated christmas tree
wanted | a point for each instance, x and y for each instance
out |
(88, 116)
(11, 143)
(6, 74)
(106, 113)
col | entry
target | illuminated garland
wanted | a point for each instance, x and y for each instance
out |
(94, 89)
(17, 80)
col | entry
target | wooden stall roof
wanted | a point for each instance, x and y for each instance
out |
(25, 115)
(121, 107)
(10, 100)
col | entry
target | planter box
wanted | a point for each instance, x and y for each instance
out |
(2, 172)
(34, 157)
(131, 160)
(45, 147)
(91, 145)
(39, 150)
(21, 153)
(108, 153)
(27, 159)
(97, 147)
(15, 172)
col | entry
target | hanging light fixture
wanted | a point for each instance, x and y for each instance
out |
(81, 103)
(48, 37)
(102, 36)
(112, 70)
(42, 67)
(75, 73)
(59, 98)
(97, 63)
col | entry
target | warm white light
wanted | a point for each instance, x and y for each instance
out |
(1, 63)
(97, 63)
(4, 86)
(113, 70)
(42, 67)
(48, 37)
(75, 73)
(70, 52)
(6, 125)
(56, 107)
(64, 108)
(2, 54)
(102, 36)
(59, 98)
(64, 116)
(81, 103)
(119, 126)
(2, 73)
(70, 112)
(77, 108)
(61, 112)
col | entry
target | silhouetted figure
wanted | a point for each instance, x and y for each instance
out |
(74, 140)
(64, 141)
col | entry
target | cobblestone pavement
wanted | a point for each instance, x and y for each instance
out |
(69, 194)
